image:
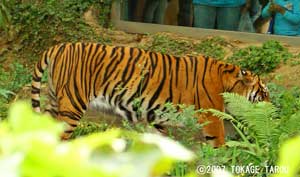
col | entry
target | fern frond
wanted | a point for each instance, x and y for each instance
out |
(222, 115)
(257, 116)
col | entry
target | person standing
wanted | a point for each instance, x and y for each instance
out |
(155, 11)
(286, 16)
(185, 13)
(218, 14)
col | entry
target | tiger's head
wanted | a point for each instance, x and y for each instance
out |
(245, 83)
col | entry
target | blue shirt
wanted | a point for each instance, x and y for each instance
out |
(220, 3)
(288, 23)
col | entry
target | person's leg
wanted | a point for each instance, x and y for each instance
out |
(150, 7)
(204, 16)
(159, 16)
(124, 10)
(185, 11)
(228, 18)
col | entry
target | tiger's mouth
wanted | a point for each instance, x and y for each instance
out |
(259, 96)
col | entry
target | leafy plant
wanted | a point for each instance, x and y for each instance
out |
(163, 43)
(30, 146)
(16, 79)
(213, 47)
(6, 7)
(286, 100)
(263, 131)
(261, 59)
(45, 23)
(86, 127)
(182, 122)
(10, 83)
(104, 16)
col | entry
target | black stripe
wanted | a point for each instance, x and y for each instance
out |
(128, 113)
(159, 89)
(70, 115)
(39, 67)
(151, 114)
(211, 65)
(153, 56)
(45, 59)
(195, 71)
(145, 83)
(35, 90)
(170, 99)
(61, 48)
(219, 68)
(75, 84)
(127, 64)
(105, 89)
(99, 68)
(176, 71)
(231, 70)
(61, 70)
(119, 97)
(50, 51)
(203, 82)
(35, 103)
(97, 77)
(136, 59)
(230, 90)
(78, 96)
(112, 67)
(113, 51)
(100, 60)
(70, 96)
(169, 63)
(198, 97)
(186, 72)
(36, 79)
(92, 68)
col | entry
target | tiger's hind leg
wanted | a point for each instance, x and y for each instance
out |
(69, 113)
(52, 106)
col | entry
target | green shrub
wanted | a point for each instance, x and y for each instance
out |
(286, 100)
(163, 43)
(213, 47)
(6, 7)
(258, 124)
(42, 24)
(261, 59)
(10, 83)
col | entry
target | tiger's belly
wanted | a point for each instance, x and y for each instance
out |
(100, 104)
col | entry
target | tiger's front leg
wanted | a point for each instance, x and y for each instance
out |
(214, 131)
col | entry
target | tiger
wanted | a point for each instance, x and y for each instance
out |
(81, 74)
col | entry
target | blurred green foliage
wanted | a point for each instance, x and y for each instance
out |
(30, 147)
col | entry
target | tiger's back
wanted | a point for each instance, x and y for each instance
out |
(111, 77)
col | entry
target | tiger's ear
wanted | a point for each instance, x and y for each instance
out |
(247, 77)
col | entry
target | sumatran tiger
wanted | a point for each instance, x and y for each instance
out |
(112, 77)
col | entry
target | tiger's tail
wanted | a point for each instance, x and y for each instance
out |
(37, 75)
